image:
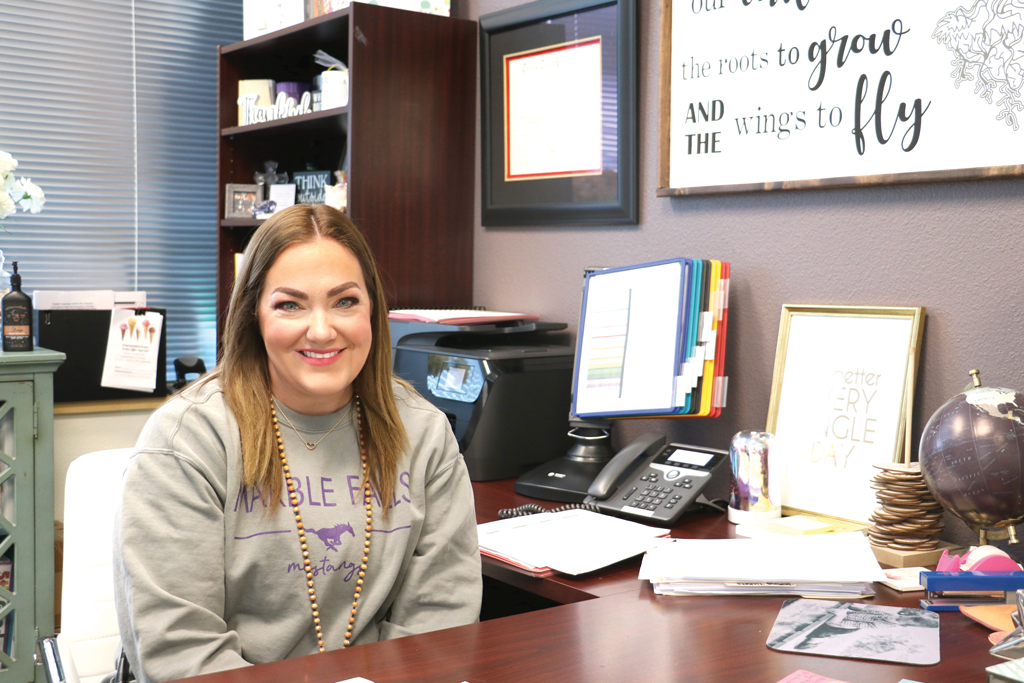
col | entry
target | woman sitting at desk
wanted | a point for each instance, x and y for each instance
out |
(251, 526)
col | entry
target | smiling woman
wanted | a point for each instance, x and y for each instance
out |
(210, 573)
(315, 320)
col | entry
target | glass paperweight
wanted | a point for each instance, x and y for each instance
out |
(749, 499)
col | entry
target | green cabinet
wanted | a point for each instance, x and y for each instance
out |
(26, 509)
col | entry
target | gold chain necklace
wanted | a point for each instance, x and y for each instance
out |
(293, 497)
(309, 444)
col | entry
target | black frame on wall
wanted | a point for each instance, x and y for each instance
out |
(608, 199)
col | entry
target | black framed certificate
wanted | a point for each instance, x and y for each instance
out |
(558, 114)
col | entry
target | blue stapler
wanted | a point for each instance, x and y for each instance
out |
(947, 591)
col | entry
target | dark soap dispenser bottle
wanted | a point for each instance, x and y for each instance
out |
(17, 316)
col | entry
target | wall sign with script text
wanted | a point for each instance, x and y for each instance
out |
(782, 94)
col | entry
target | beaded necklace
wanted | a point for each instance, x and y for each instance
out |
(293, 497)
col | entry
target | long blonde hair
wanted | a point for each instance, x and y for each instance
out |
(244, 366)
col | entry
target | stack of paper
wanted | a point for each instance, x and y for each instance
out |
(829, 565)
(571, 542)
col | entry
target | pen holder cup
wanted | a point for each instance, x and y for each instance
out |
(749, 499)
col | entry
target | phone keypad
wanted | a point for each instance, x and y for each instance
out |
(653, 496)
(660, 489)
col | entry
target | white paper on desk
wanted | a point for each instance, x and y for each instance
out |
(571, 542)
(85, 300)
(133, 350)
(838, 557)
(130, 299)
(74, 300)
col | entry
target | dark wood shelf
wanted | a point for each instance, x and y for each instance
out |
(241, 222)
(406, 140)
(294, 38)
(326, 120)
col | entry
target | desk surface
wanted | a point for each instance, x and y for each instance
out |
(626, 634)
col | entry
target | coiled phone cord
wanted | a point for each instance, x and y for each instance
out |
(533, 508)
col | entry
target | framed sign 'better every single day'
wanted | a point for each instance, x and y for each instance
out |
(783, 94)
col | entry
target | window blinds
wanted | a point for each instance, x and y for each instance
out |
(110, 107)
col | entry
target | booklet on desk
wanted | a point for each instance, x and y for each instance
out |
(571, 542)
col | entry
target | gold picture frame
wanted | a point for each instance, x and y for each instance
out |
(841, 397)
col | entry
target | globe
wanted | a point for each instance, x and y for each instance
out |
(972, 456)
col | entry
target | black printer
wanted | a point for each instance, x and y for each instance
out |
(505, 387)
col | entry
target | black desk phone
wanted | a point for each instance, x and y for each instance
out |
(651, 482)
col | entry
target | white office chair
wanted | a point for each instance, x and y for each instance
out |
(89, 639)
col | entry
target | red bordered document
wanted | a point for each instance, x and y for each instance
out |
(553, 111)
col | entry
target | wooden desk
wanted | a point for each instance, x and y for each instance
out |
(614, 629)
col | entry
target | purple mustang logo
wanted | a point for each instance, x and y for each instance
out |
(331, 536)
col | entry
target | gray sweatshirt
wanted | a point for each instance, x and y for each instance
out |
(208, 574)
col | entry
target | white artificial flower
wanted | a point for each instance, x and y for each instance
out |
(32, 198)
(6, 206)
(17, 193)
(7, 163)
(336, 196)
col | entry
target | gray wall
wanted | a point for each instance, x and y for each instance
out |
(954, 248)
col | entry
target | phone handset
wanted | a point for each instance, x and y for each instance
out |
(614, 472)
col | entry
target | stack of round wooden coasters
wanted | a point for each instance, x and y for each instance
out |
(909, 517)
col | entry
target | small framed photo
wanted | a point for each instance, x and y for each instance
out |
(240, 200)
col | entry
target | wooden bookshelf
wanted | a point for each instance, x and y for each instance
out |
(406, 139)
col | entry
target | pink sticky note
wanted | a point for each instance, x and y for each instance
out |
(801, 676)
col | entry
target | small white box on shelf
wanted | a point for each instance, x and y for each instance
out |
(334, 88)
